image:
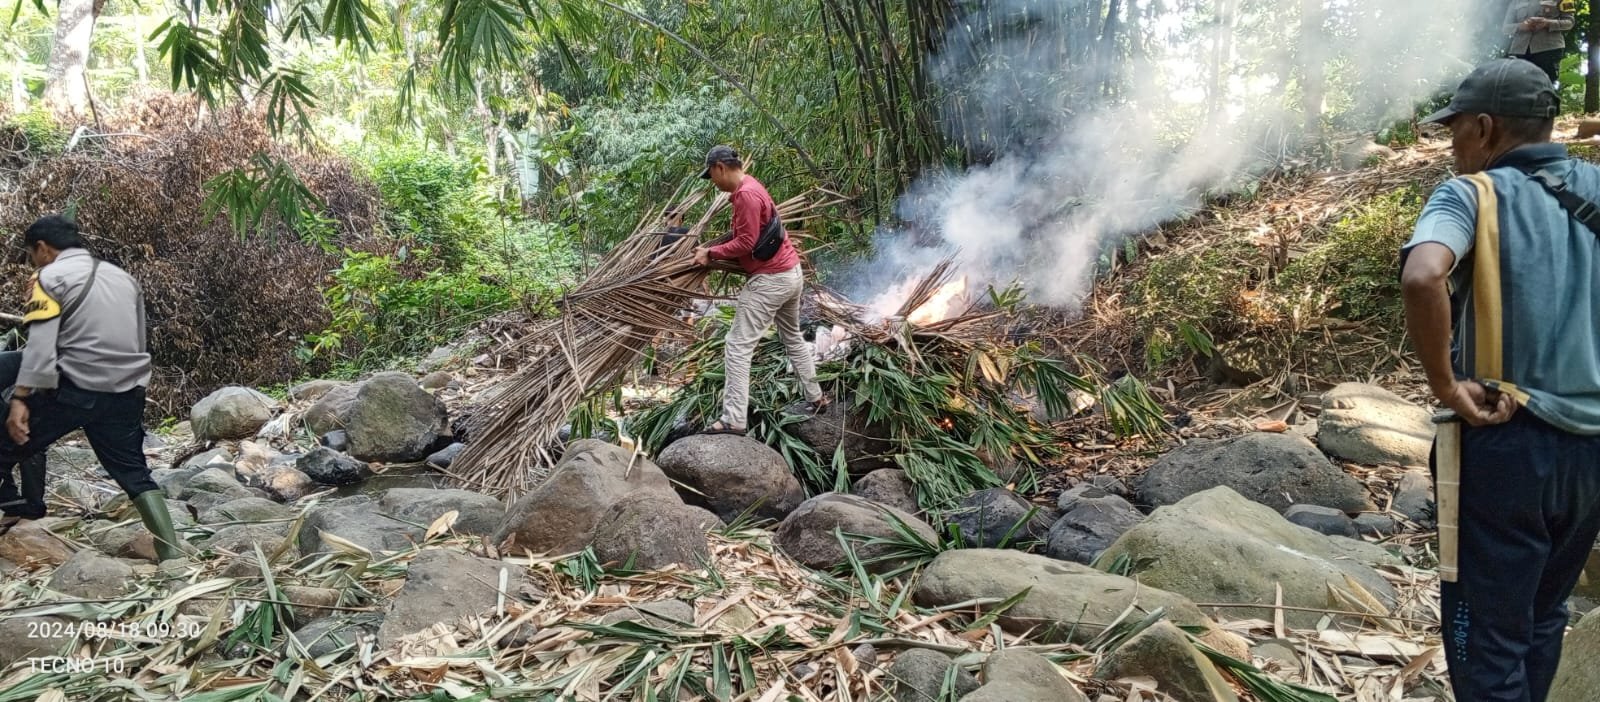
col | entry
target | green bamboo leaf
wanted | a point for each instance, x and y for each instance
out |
(348, 22)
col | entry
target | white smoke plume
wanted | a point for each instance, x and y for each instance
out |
(1089, 172)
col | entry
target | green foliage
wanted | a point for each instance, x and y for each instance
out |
(42, 135)
(247, 195)
(1186, 298)
(433, 201)
(1572, 85)
(941, 413)
(1358, 260)
(615, 156)
(378, 309)
(1400, 133)
(1189, 302)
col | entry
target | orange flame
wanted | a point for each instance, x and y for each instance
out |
(945, 301)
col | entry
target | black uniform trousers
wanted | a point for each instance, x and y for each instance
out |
(1530, 512)
(113, 423)
(29, 500)
(1547, 61)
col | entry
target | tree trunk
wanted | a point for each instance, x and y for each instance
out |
(1312, 16)
(19, 87)
(1108, 50)
(67, 73)
(141, 64)
(1591, 77)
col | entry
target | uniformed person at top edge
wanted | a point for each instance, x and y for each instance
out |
(1538, 32)
(85, 366)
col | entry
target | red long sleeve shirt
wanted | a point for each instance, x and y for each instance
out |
(752, 207)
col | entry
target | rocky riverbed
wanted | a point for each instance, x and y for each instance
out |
(334, 555)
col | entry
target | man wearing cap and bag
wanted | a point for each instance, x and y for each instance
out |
(772, 296)
(1501, 282)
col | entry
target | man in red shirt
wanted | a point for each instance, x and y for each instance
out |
(771, 296)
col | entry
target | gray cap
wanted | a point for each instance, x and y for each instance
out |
(1505, 87)
(718, 154)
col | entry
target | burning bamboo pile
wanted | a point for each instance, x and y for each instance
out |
(605, 326)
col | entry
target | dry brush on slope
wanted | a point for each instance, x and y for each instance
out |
(223, 308)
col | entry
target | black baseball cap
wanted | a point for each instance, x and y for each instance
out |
(718, 154)
(1504, 87)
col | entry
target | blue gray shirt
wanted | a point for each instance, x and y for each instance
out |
(1549, 264)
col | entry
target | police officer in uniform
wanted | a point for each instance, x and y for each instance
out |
(85, 366)
(1538, 32)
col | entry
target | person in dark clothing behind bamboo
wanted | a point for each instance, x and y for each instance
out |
(86, 366)
(1538, 32)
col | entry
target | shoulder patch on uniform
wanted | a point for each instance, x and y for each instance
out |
(40, 305)
(1569, 6)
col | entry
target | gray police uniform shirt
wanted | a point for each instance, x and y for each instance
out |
(101, 346)
(1549, 306)
(1526, 42)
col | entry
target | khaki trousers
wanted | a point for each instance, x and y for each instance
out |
(767, 299)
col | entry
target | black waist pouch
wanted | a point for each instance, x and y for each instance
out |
(770, 240)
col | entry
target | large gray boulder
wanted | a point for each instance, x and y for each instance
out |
(357, 520)
(91, 575)
(732, 476)
(560, 515)
(1578, 675)
(888, 486)
(1277, 470)
(331, 410)
(1163, 653)
(1095, 520)
(231, 413)
(394, 421)
(998, 517)
(1066, 602)
(1196, 548)
(866, 445)
(1023, 676)
(475, 513)
(1368, 424)
(807, 534)
(443, 586)
(654, 530)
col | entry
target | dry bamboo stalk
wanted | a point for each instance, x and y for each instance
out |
(607, 322)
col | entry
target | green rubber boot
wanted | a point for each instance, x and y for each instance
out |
(152, 506)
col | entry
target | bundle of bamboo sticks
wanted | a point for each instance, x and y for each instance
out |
(606, 325)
